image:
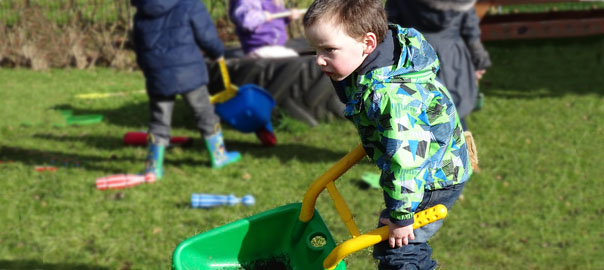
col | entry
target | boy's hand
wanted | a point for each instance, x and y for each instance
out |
(479, 73)
(398, 235)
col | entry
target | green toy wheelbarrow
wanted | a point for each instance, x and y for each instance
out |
(293, 236)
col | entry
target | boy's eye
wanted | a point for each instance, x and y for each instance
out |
(329, 50)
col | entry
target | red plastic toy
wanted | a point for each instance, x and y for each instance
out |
(120, 181)
(140, 138)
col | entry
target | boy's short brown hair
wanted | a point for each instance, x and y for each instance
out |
(357, 17)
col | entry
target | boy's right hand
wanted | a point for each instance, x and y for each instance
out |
(398, 236)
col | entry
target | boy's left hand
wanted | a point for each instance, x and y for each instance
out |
(398, 236)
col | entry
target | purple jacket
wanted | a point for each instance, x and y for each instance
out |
(251, 26)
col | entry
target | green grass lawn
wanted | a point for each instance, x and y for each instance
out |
(535, 205)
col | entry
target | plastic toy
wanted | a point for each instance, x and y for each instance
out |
(213, 200)
(45, 168)
(120, 181)
(292, 236)
(140, 138)
(247, 108)
(106, 95)
(84, 119)
(372, 179)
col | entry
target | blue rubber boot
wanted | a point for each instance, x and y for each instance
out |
(155, 161)
(218, 153)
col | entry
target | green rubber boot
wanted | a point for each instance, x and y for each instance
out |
(479, 102)
(219, 156)
(155, 161)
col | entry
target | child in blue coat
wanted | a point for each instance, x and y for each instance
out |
(169, 37)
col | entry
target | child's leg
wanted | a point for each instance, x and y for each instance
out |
(208, 124)
(205, 117)
(414, 256)
(160, 108)
(447, 196)
(417, 254)
(159, 134)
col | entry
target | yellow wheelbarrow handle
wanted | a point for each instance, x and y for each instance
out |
(378, 235)
(359, 241)
(229, 91)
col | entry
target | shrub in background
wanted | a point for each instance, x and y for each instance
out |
(42, 34)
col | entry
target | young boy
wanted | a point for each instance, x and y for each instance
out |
(405, 117)
(168, 38)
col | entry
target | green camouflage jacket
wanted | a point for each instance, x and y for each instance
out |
(407, 122)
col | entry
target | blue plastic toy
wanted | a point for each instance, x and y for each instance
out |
(247, 108)
(201, 200)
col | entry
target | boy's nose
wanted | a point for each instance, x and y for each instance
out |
(321, 61)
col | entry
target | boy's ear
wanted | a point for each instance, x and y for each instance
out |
(369, 42)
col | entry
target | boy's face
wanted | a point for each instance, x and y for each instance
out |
(338, 54)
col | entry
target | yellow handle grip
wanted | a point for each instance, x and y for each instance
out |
(378, 235)
(229, 89)
(226, 80)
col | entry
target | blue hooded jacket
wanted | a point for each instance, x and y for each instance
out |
(168, 38)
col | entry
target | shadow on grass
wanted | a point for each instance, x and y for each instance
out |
(531, 69)
(34, 265)
(286, 151)
(96, 141)
(34, 157)
(135, 114)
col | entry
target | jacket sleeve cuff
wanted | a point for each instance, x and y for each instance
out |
(480, 56)
(404, 222)
(401, 222)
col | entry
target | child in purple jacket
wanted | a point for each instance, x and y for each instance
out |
(261, 32)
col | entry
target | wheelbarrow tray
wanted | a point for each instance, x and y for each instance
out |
(264, 241)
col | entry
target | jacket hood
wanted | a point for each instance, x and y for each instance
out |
(413, 60)
(154, 8)
(426, 15)
(437, 14)
(446, 5)
(418, 61)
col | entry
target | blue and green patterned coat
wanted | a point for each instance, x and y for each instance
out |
(407, 121)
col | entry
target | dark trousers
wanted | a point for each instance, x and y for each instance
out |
(161, 108)
(417, 254)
